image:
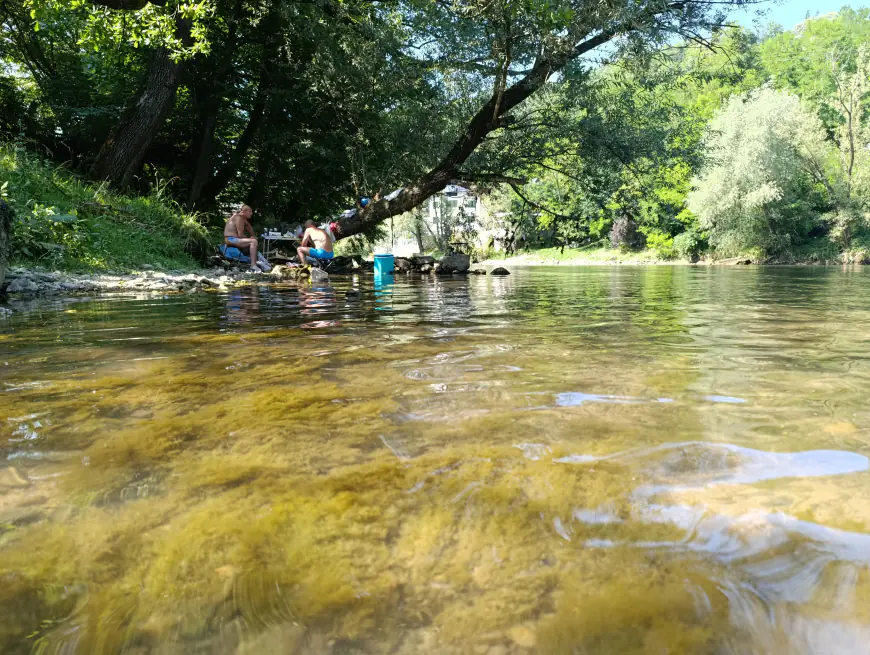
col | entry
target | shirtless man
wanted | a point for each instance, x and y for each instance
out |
(322, 244)
(234, 233)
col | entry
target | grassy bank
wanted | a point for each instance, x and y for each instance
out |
(817, 251)
(63, 222)
(581, 257)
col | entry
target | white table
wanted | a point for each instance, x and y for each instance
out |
(269, 239)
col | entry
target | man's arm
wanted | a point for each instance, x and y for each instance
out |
(249, 228)
(306, 238)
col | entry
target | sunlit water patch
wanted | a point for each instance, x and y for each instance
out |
(582, 461)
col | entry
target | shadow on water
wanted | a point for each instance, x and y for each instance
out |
(606, 460)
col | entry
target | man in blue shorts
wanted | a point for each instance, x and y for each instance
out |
(321, 241)
(238, 225)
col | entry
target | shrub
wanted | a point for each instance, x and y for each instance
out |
(689, 245)
(661, 243)
(759, 190)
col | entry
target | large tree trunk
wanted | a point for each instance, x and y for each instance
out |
(270, 59)
(120, 158)
(257, 192)
(226, 173)
(203, 166)
(5, 238)
(211, 94)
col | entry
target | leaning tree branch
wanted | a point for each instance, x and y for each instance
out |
(484, 121)
(487, 178)
(489, 118)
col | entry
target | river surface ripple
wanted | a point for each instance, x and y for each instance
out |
(591, 460)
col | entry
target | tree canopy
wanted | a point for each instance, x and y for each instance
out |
(300, 106)
(591, 114)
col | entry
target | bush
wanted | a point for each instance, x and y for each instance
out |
(689, 245)
(65, 222)
(661, 243)
(758, 191)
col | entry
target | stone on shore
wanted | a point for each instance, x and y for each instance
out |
(23, 285)
(455, 263)
(403, 264)
(284, 272)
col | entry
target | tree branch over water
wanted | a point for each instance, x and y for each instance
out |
(555, 48)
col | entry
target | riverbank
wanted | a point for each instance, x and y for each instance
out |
(611, 257)
(24, 283)
(581, 257)
(62, 222)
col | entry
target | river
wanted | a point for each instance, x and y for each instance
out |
(584, 460)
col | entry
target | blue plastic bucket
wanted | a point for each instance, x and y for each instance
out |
(384, 264)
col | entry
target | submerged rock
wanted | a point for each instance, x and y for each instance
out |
(500, 271)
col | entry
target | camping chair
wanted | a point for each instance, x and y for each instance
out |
(236, 256)
(323, 264)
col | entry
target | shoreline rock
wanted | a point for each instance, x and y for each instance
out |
(28, 284)
(23, 283)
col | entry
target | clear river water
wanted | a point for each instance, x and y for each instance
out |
(584, 460)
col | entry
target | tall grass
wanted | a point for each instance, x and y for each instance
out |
(64, 222)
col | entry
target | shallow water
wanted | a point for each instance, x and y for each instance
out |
(592, 460)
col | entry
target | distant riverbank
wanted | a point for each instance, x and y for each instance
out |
(610, 257)
(580, 257)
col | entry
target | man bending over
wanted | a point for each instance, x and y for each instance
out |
(320, 239)
(234, 233)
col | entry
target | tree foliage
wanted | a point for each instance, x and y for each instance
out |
(594, 112)
(766, 155)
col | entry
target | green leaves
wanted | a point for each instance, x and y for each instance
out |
(152, 26)
(62, 218)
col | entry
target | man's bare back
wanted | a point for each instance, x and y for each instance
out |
(320, 239)
(315, 242)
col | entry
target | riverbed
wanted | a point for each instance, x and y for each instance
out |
(583, 460)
